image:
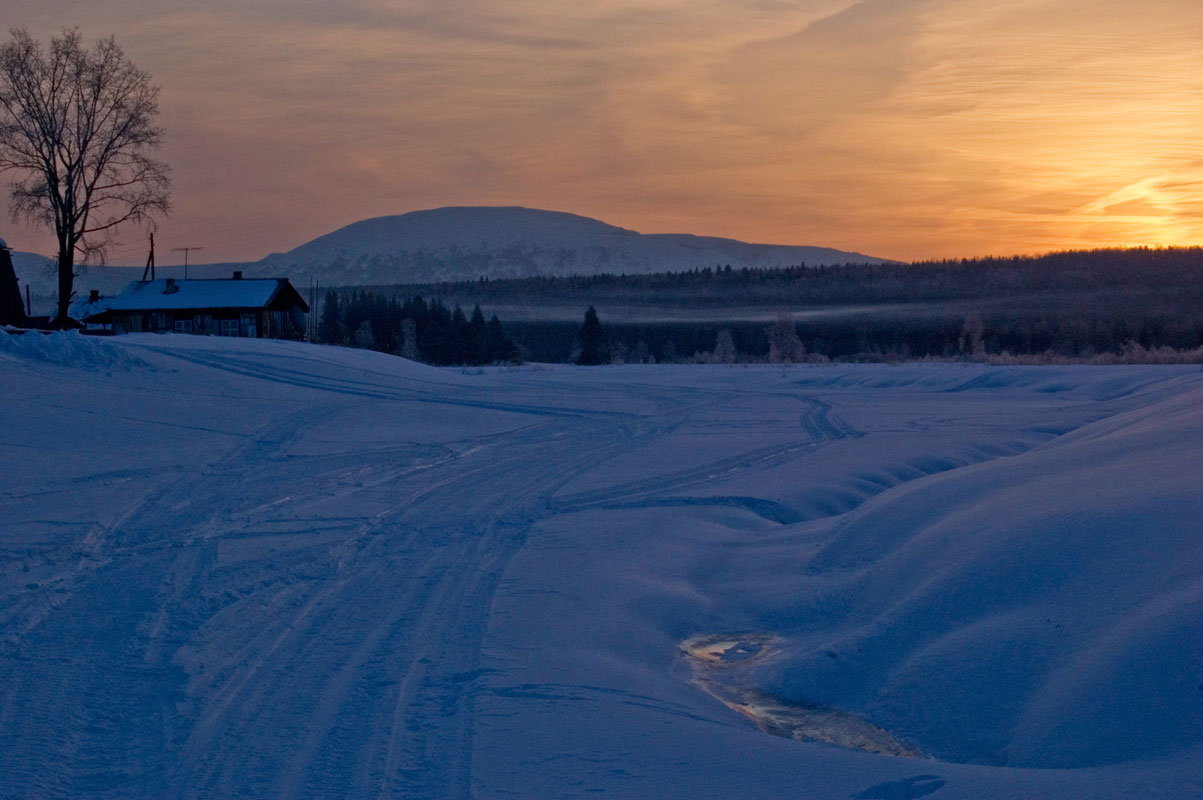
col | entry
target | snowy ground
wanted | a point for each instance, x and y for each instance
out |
(248, 569)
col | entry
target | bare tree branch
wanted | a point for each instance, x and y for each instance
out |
(77, 126)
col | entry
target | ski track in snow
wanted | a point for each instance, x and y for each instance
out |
(461, 518)
(274, 618)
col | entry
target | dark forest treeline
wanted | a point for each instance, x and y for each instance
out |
(1082, 305)
(885, 338)
(413, 328)
(985, 279)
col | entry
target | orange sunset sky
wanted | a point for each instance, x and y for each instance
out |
(899, 128)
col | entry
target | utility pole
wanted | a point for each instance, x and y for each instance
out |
(185, 250)
(313, 318)
(150, 260)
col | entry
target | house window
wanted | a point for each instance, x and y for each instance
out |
(183, 326)
(227, 327)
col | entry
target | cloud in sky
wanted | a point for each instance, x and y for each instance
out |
(905, 128)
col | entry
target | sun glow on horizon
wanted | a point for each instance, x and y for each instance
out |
(901, 128)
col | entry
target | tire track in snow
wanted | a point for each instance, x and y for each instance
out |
(820, 425)
(470, 527)
(349, 667)
(375, 391)
(59, 730)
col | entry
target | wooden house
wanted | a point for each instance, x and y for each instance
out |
(11, 310)
(268, 308)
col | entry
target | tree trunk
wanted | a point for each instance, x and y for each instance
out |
(66, 279)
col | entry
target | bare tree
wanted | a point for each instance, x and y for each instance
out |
(77, 126)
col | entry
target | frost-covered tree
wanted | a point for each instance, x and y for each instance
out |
(784, 344)
(618, 352)
(363, 336)
(724, 348)
(77, 129)
(971, 341)
(409, 340)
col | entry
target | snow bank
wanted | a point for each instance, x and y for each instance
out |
(267, 568)
(69, 349)
(1039, 610)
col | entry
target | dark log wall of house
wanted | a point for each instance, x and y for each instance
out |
(250, 322)
(11, 310)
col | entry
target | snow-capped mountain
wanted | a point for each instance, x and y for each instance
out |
(35, 270)
(470, 242)
(465, 243)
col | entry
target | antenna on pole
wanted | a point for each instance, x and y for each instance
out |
(313, 301)
(185, 250)
(150, 260)
(309, 319)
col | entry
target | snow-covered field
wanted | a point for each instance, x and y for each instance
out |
(232, 568)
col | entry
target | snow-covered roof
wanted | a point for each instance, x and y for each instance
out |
(170, 294)
(82, 307)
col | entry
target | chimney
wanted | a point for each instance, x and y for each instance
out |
(237, 274)
(94, 296)
(171, 288)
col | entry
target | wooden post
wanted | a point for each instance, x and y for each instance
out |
(150, 260)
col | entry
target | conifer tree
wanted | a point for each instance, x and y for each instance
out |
(329, 327)
(593, 349)
(500, 347)
(477, 344)
(459, 335)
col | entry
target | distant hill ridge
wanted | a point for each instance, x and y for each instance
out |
(469, 242)
(459, 243)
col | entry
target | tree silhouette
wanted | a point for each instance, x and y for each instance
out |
(77, 127)
(329, 328)
(500, 347)
(593, 349)
(477, 346)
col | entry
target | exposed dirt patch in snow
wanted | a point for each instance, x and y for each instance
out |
(716, 661)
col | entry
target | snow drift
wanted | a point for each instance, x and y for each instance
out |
(234, 568)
